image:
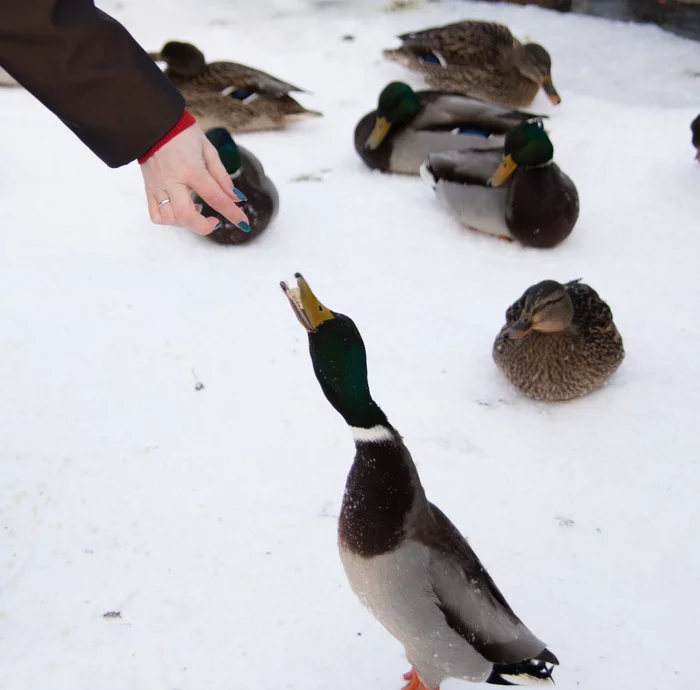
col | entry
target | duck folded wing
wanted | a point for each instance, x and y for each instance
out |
(441, 110)
(470, 166)
(237, 76)
(462, 43)
(472, 604)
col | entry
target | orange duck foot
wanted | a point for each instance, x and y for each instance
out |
(414, 682)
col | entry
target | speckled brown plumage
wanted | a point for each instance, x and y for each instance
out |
(568, 363)
(480, 60)
(229, 94)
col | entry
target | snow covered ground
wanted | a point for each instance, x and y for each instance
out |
(206, 518)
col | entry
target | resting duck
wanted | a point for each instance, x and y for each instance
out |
(559, 341)
(478, 58)
(226, 94)
(407, 126)
(405, 560)
(514, 192)
(695, 128)
(256, 191)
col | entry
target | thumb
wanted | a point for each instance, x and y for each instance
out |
(217, 171)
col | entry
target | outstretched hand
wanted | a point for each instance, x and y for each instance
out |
(187, 163)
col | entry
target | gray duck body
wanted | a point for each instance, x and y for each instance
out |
(435, 128)
(538, 205)
(410, 566)
(565, 364)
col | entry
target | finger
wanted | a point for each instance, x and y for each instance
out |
(153, 210)
(218, 171)
(167, 212)
(186, 215)
(206, 186)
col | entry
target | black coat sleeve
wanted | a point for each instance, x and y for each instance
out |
(88, 70)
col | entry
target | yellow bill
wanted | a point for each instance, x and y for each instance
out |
(379, 131)
(503, 172)
(308, 310)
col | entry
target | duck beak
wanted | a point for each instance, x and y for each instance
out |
(518, 330)
(503, 172)
(549, 89)
(376, 137)
(308, 310)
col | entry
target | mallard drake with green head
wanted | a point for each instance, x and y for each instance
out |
(515, 192)
(406, 562)
(559, 341)
(256, 191)
(230, 95)
(408, 125)
(478, 58)
(695, 128)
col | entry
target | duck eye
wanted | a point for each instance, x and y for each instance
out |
(346, 341)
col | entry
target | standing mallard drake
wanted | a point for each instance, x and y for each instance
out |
(407, 126)
(226, 94)
(538, 206)
(559, 341)
(695, 128)
(481, 59)
(254, 188)
(405, 560)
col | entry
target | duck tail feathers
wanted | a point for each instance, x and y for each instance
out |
(529, 672)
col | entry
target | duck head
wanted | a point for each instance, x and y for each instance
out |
(548, 309)
(182, 58)
(398, 105)
(338, 356)
(526, 145)
(534, 63)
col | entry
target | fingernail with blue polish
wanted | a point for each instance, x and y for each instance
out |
(217, 226)
(239, 194)
(244, 226)
(198, 208)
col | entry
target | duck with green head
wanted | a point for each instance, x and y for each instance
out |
(515, 192)
(407, 563)
(408, 125)
(256, 191)
(228, 94)
(480, 59)
(559, 341)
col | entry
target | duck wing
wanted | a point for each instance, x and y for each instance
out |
(469, 166)
(591, 313)
(462, 43)
(232, 76)
(471, 602)
(447, 111)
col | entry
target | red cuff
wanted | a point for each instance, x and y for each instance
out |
(186, 120)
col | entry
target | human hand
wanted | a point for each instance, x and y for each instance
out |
(188, 162)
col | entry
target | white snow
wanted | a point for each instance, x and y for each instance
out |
(207, 518)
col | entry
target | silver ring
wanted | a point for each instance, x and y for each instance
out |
(162, 203)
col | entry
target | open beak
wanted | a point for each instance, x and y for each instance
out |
(549, 89)
(503, 172)
(379, 131)
(518, 330)
(310, 312)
